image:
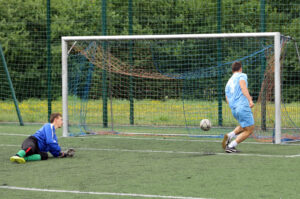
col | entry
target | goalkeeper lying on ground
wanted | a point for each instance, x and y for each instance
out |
(37, 146)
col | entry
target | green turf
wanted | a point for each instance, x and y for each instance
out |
(167, 166)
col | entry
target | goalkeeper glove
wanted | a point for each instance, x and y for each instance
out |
(68, 153)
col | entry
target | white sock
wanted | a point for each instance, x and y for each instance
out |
(232, 144)
(231, 134)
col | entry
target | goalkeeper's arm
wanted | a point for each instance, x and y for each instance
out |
(62, 154)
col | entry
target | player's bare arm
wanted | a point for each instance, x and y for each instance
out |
(246, 92)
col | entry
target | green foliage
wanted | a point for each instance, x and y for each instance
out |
(22, 25)
(23, 29)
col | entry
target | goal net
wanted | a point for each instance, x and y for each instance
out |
(166, 84)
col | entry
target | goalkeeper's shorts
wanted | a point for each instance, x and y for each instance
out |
(243, 115)
(30, 146)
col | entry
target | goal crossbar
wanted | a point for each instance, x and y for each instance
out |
(181, 36)
(277, 50)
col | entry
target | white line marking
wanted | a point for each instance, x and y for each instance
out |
(175, 152)
(14, 134)
(293, 156)
(186, 152)
(6, 145)
(174, 140)
(98, 193)
(159, 139)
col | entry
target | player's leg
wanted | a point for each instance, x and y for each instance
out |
(34, 157)
(37, 157)
(33, 152)
(245, 134)
(245, 118)
(229, 136)
(29, 147)
(27, 144)
(44, 155)
(19, 157)
(240, 138)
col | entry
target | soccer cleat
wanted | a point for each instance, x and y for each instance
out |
(226, 141)
(231, 150)
(17, 159)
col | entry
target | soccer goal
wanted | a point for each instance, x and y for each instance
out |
(166, 84)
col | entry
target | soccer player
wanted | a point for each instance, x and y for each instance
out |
(36, 146)
(240, 103)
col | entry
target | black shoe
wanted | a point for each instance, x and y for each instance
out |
(231, 150)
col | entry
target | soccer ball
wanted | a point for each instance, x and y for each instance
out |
(205, 124)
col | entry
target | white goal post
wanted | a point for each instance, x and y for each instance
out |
(277, 51)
